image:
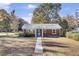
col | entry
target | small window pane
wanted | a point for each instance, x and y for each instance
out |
(53, 31)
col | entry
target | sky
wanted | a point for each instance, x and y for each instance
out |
(25, 10)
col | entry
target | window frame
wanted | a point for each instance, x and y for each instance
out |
(54, 31)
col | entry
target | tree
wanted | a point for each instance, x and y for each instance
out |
(21, 22)
(64, 24)
(72, 22)
(4, 20)
(46, 12)
(38, 20)
(14, 21)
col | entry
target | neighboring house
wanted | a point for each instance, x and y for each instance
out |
(75, 30)
(44, 30)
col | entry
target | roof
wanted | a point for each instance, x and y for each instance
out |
(41, 26)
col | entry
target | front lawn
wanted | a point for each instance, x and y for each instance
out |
(60, 47)
(16, 46)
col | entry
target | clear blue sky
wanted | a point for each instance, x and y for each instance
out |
(24, 10)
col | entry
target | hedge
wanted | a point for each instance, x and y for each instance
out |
(26, 34)
(73, 35)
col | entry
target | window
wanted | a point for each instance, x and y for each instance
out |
(53, 31)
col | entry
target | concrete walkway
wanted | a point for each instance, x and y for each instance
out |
(38, 47)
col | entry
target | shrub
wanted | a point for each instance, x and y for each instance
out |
(72, 35)
(26, 34)
(68, 35)
(76, 36)
(64, 33)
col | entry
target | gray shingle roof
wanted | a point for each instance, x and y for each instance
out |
(41, 26)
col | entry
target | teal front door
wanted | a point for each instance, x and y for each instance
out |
(39, 32)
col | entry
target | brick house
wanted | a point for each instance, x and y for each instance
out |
(44, 30)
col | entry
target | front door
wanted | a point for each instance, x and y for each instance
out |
(39, 32)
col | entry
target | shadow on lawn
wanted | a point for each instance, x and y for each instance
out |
(13, 51)
(46, 50)
(52, 44)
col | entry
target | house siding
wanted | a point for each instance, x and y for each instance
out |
(49, 33)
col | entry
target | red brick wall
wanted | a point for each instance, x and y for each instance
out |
(49, 33)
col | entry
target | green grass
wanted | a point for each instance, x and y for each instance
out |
(74, 36)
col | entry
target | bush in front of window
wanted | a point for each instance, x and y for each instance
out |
(28, 34)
